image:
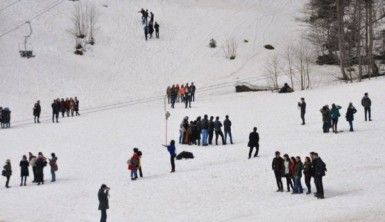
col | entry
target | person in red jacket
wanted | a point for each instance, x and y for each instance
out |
(133, 164)
(292, 165)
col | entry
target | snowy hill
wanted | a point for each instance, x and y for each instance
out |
(122, 70)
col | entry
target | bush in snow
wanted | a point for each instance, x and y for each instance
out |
(230, 49)
(213, 43)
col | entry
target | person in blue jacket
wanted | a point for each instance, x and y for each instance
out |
(335, 115)
(172, 150)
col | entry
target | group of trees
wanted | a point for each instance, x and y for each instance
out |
(84, 20)
(348, 33)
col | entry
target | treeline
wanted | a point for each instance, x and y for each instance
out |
(348, 33)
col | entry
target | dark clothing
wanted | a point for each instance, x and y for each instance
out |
(55, 112)
(350, 116)
(103, 199)
(279, 169)
(41, 162)
(286, 89)
(146, 32)
(217, 134)
(319, 172)
(24, 171)
(366, 102)
(253, 139)
(7, 172)
(150, 29)
(36, 113)
(302, 106)
(172, 161)
(278, 178)
(227, 124)
(368, 112)
(326, 119)
(103, 216)
(211, 131)
(156, 27)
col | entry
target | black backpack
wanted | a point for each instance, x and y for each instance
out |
(185, 155)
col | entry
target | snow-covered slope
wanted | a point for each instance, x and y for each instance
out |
(123, 70)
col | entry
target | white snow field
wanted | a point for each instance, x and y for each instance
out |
(120, 82)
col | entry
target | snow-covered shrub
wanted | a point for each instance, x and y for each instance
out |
(213, 43)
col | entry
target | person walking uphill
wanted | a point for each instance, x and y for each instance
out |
(227, 128)
(7, 172)
(103, 202)
(335, 115)
(36, 112)
(253, 142)
(278, 169)
(350, 115)
(302, 106)
(172, 150)
(24, 171)
(367, 103)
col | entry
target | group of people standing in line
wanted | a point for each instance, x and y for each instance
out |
(67, 107)
(5, 117)
(37, 163)
(331, 116)
(183, 93)
(149, 26)
(292, 169)
(201, 131)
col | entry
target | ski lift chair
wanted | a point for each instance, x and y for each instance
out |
(27, 52)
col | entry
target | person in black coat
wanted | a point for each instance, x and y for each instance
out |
(350, 115)
(173, 97)
(156, 27)
(146, 31)
(308, 172)
(253, 142)
(24, 171)
(151, 17)
(151, 29)
(40, 163)
(279, 169)
(7, 172)
(319, 171)
(302, 106)
(77, 107)
(103, 202)
(366, 102)
(55, 111)
(227, 129)
(211, 130)
(36, 112)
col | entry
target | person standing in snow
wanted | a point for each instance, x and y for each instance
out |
(287, 163)
(199, 130)
(227, 128)
(367, 103)
(278, 168)
(32, 163)
(326, 118)
(24, 171)
(211, 130)
(41, 162)
(7, 172)
(36, 112)
(172, 150)
(173, 97)
(335, 115)
(133, 164)
(143, 12)
(218, 131)
(156, 27)
(151, 17)
(308, 173)
(55, 111)
(53, 166)
(302, 106)
(187, 99)
(192, 89)
(151, 29)
(62, 107)
(146, 31)
(297, 176)
(140, 164)
(103, 202)
(76, 106)
(350, 115)
(319, 172)
(253, 142)
(205, 130)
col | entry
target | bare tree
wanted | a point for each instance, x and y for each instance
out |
(303, 60)
(289, 60)
(272, 69)
(80, 21)
(230, 49)
(92, 19)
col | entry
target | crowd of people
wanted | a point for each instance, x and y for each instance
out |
(37, 164)
(5, 117)
(330, 117)
(149, 26)
(67, 107)
(202, 131)
(183, 94)
(292, 169)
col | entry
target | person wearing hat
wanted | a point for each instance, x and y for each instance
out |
(103, 202)
(7, 172)
(302, 106)
(367, 103)
(172, 150)
(133, 164)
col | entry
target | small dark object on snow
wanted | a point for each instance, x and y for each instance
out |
(78, 52)
(185, 155)
(79, 46)
(245, 41)
(269, 47)
(213, 43)
(232, 57)
(286, 89)
(250, 88)
(81, 36)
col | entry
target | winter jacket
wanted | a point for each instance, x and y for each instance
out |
(350, 113)
(24, 171)
(286, 163)
(172, 150)
(7, 170)
(292, 167)
(366, 102)
(227, 125)
(156, 26)
(217, 126)
(53, 164)
(36, 110)
(205, 124)
(308, 169)
(133, 164)
(253, 139)
(298, 169)
(335, 112)
(103, 199)
(32, 161)
(77, 105)
(55, 107)
(211, 125)
(278, 165)
(325, 115)
(302, 105)
(319, 167)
